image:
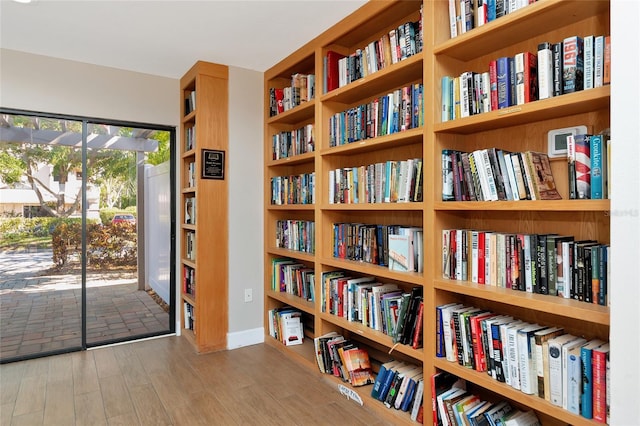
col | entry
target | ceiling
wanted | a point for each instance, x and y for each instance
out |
(166, 38)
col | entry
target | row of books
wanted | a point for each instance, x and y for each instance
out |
(400, 385)
(190, 138)
(398, 247)
(189, 317)
(384, 307)
(290, 276)
(566, 370)
(285, 325)
(191, 175)
(398, 44)
(465, 15)
(552, 264)
(389, 182)
(494, 174)
(190, 102)
(189, 280)
(190, 245)
(588, 158)
(453, 404)
(293, 189)
(302, 89)
(558, 68)
(297, 235)
(343, 358)
(294, 142)
(190, 210)
(400, 110)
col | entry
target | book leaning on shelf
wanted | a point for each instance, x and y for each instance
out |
(588, 159)
(285, 325)
(494, 174)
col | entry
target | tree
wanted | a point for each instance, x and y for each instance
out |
(163, 154)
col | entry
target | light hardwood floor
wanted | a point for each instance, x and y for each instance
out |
(163, 382)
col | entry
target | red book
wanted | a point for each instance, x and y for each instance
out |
(599, 365)
(417, 334)
(479, 357)
(493, 84)
(481, 258)
(279, 100)
(530, 77)
(332, 70)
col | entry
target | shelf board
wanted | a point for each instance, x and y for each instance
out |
(276, 207)
(307, 157)
(546, 109)
(370, 269)
(584, 311)
(292, 300)
(189, 262)
(373, 335)
(308, 257)
(190, 153)
(525, 205)
(388, 78)
(534, 402)
(189, 299)
(188, 190)
(188, 227)
(516, 27)
(419, 206)
(407, 137)
(304, 111)
(189, 117)
(304, 353)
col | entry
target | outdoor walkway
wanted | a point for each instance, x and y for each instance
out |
(43, 312)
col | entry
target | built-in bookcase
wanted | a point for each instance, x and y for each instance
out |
(204, 202)
(516, 129)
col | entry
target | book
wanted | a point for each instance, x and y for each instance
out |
(526, 69)
(588, 62)
(582, 145)
(557, 69)
(555, 367)
(542, 177)
(545, 70)
(540, 337)
(606, 65)
(586, 394)
(385, 368)
(598, 61)
(572, 64)
(571, 374)
(599, 363)
(598, 153)
(399, 258)
(359, 367)
(332, 71)
(417, 400)
(504, 71)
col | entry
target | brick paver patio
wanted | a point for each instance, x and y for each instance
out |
(41, 313)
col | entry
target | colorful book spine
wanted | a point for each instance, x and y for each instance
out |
(588, 62)
(504, 68)
(597, 153)
(583, 165)
(573, 64)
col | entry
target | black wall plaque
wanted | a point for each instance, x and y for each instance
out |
(212, 164)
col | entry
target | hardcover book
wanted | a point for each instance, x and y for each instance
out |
(572, 64)
(545, 70)
(583, 165)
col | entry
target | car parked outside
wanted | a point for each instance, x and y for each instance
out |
(124, 218)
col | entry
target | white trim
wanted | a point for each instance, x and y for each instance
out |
(245, 338)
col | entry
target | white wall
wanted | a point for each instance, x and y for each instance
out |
(625, 212)
(245, 206)
(42, 83)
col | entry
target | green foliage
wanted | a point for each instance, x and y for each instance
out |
(11, 168)
(15, 229)
(163, 153)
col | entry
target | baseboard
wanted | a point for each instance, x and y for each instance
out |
(245, 338)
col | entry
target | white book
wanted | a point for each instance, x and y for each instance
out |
(528, 281)
(555, 367)
(588, 62)
(486, 163)
(464, 95)
(565, 368)
(453, 26)
(545, 71)
(511, 367)
(526, 360)
(447, 331)
(417, 400)
(598, 61)
(518, 61)
(486, 92)
(506, 349)
(482, 174)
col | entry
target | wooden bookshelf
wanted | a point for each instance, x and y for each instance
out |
(518, 128)
(209, 118)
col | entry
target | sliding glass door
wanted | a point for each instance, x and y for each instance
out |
(74, 195)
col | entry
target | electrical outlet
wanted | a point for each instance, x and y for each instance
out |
(248, 295)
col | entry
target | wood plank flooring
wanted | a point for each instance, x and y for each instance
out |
(163, 382)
